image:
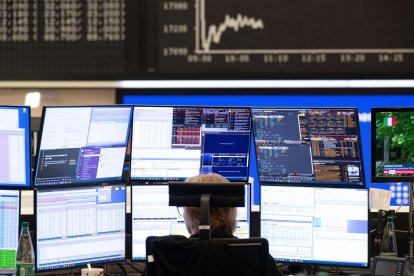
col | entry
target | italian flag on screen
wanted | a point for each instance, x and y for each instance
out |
(390, 121)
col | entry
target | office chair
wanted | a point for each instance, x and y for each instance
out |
(180, 256)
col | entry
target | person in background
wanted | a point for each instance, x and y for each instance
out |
(222, 220)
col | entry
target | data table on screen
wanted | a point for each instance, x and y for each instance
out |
(9, 227)
(177, 142)
(50, 39)
(152, 216)
(326, 140)
(76, 226)
(316, 225)
(15, 146)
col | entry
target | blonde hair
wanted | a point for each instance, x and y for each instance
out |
(222, 220)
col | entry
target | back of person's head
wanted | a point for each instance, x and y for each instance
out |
(222, 220)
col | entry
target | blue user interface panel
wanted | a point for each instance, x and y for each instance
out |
(174, 143)
(316, 225)
(82, 145)
(9, 227)
(80, 225)
(15, 147)
(325, 140)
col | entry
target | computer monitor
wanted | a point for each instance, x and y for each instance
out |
(152, 216)
(79, 225)
(9, 227)
(308, 146)
(316, 225)
(177, 142)
(82, 145)
(392, 146)
(15, 146)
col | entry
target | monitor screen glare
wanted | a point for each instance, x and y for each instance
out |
(9, 227)
(151, 216)
(83, 145)
(15, 146)
(77, 226)
(174, 143)
(316, 225)
(304, 145)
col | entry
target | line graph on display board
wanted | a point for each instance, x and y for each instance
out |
(214, 32)
(278, 35)
(207, 35)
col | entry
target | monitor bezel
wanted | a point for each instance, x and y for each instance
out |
(374, 177)
(83, 183)
(28, 153)
(134, 181)
(77, 265)
(311, 262)
(328, 184)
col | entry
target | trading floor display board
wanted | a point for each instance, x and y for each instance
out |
(61, 39)
(136, 39)
(300, 37)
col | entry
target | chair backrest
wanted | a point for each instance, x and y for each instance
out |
(178, 255)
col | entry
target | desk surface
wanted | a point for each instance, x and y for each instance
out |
(113, 269)
(136, 269)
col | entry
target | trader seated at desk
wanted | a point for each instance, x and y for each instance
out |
(222, 220)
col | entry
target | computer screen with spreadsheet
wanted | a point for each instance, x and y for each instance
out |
(151, 216)
(15, 145)
(177, 142)
(9, 227)
(82, 145)
(79, 225)
(316, 225)
(308, 145)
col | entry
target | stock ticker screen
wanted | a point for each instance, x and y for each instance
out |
(271, 36)
(304, 145)
(130, 39)
(177, 142)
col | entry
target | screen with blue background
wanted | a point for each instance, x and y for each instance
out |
(364, 103)
(15, 150)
